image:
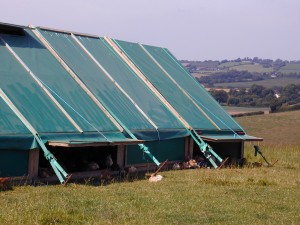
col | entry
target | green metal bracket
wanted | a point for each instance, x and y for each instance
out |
(145, 149)
(207, 150)
(62, 175)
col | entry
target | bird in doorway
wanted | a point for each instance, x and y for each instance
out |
(108, 161)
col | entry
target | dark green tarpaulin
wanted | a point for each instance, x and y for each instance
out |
(171, 150)
(107, 93)
(168, 89)
(133, 86)
(96, 80)
(43, 64)
(193, 88)
(38, 108)
(9, 122)
(31, 101)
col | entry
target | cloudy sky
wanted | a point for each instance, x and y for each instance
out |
(191, 29)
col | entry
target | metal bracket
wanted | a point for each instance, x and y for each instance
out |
(206, 149)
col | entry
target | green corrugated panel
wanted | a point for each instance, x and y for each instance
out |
(37, 108)
(133, 86)
(13, 163)
(96, 80)
(171, 150)
(166, 87)
(193, 88)
(43, 64)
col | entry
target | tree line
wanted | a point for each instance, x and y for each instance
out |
(277, 98)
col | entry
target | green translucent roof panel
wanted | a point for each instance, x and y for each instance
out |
(129, 81)
(9, 122)
(95, 80)
(182, 104)
(29, 98)
(192, 87)
(71, 96)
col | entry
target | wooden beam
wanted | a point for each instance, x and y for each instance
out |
(92, 144)
(66, 32)
(74, 76)
(121, 156)
(186, 148)
(191, 148)
(33, 164)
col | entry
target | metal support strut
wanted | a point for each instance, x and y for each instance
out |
(145, 149)
(205, 148)
(62, 175)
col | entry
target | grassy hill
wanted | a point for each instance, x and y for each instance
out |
(269, 83)
(290, 68)
(253, 68)
(275, 128)
(266, 195)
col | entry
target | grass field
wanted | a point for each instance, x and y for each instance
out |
(266, 83)
(252, 68)
(290, 68)
(236, 110)
(266, 195)
(230, 64)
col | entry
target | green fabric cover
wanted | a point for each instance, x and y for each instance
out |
(43, 64)
(28, 97)
(171, 150)
(9, 122)
(133, 86)
(16, 167)
(193, 88)
(165, 86)
(96, 81)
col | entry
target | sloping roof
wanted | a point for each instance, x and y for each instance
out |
(72, 86)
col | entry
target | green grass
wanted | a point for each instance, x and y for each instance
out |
(245, 66)
(266, 83)
(235, 110)
(230, 64)
(266, 195)
(275, 128)
(290, 68)
(252, 68)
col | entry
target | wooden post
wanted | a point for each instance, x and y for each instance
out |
(242, 148)
(121, 156)
(186, 148)
(33, 164)
(191, 148)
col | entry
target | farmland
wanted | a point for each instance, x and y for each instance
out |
(255, 68)
(265, 195)
(266, 83)
(290, 68)
(237, 110)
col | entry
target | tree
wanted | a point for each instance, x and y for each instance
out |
(220, 95)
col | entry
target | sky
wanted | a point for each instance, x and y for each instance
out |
(190, 29)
